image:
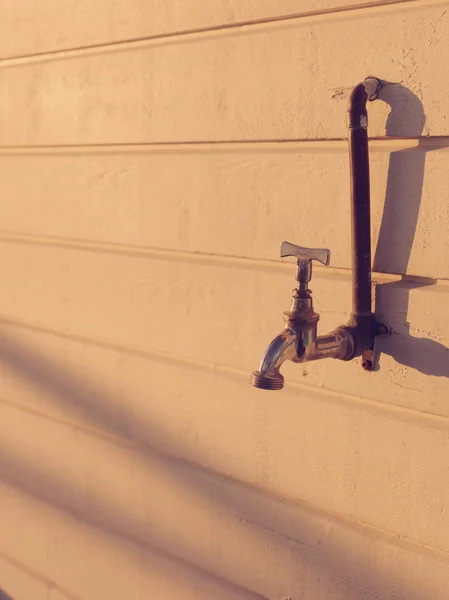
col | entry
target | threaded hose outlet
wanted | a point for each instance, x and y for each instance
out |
(267, 382)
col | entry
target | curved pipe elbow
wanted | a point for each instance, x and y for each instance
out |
(364, 91)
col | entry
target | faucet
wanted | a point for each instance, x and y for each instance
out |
(299, 341)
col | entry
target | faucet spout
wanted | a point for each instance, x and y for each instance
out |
(282, 348)
(299, 343)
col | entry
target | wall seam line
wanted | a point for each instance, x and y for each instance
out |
(387, 410)
(37, 576)
(121, 534)
(267, 145)
(219, 30)
(226, 261)
(360, 527)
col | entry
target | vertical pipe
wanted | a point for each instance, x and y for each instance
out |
(360, 195)
(361, 221)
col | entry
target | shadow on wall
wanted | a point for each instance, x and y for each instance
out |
(397, 232)
(4, 596)
(329, 562)
(294, 529)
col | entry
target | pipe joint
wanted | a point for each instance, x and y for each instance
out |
(368, 90)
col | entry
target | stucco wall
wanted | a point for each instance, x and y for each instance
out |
(153, 157)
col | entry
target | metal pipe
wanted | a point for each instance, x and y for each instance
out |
(360, 194)
(363, 322)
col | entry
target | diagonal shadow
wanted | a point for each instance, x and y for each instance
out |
(102, 515)
(396, 236)
(326, 558)
(4, 595)
(317, 549)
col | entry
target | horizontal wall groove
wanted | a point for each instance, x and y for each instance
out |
(359, 527)
(385, 409)
(121, 534)
(389, 143)
(37, 576)
(225, 261)
(228, 28)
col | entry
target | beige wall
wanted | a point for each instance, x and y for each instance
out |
(153, 156)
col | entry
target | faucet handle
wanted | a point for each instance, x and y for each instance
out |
(322, 255)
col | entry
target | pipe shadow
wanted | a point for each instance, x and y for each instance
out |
(323, 554)
(396, 236)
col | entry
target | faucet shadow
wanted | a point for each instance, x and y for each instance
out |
(297, 532)
(397, 232)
